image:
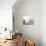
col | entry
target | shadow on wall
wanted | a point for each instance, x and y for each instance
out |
(28, 8)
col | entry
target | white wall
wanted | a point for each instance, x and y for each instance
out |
(6, 13)
(29, 8)
(43, 22)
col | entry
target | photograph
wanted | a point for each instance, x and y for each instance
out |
(28, 20)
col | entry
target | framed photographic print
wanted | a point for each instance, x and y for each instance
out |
(28, 20)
